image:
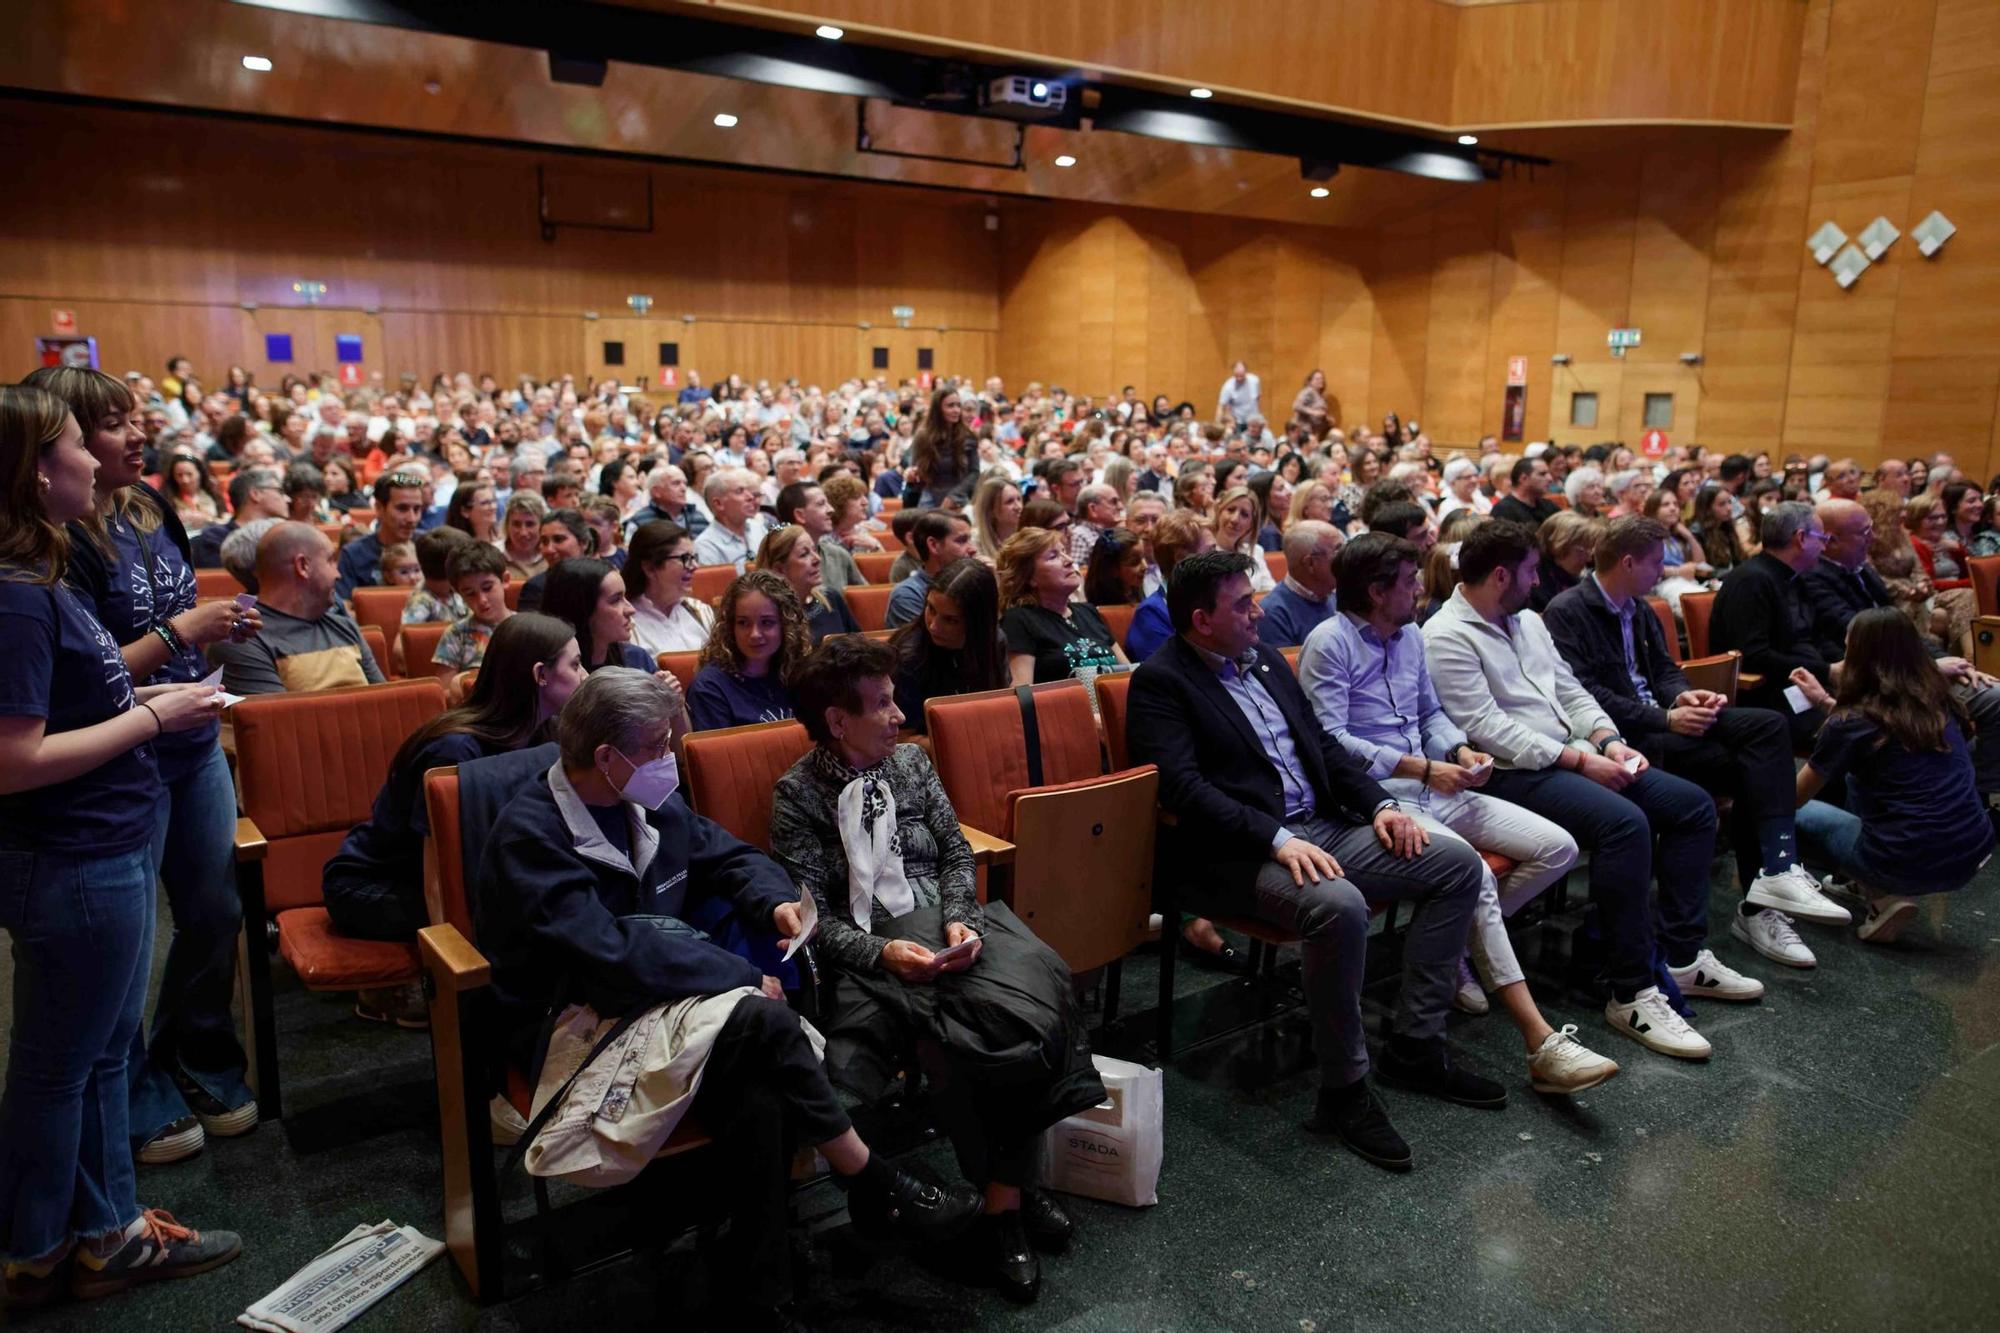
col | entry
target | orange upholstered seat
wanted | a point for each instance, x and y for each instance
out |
(1118, 619)
(869, 603)
(875, 565)
(732, 772)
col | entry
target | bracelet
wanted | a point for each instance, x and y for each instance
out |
(167, 636)
(1427, 772)
(159, 726)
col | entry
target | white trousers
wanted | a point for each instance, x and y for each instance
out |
(1543, 852)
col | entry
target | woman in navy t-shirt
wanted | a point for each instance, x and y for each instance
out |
(1915, 822)
(79, 788)
(129, 562)
(760, 635)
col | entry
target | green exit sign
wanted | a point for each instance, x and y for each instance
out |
(1622, 338)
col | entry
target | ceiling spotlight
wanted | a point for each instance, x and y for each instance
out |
(1202, 93)
(828, 31)
(1065, 161)
(1468, 139)
(1320, 192)
(262, 64)
(724, 119)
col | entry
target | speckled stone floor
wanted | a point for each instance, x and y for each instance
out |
(1835, 1166)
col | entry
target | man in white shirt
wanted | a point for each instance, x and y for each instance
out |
(1502, 683)
(738, 530)
(1097, 512)
(1238, 401)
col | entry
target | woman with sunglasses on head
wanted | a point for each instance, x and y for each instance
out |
(129, 561)
(79, 796)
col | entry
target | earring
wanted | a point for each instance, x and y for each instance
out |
(43, 478)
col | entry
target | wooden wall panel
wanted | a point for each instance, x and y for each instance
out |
(444, 244)
(1459, 323)
(1400, 282)
(1527, 272)
(1595, 295)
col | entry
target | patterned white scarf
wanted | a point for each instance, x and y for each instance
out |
(867, 815)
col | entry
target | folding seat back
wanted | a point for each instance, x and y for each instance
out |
(1696, 609)
(1118, 619)
(1664, 613)
(378, 648)
(1113, 694)
(875, 565)
(420, 645)
(1985, 574)
(983, 749)
(681, 666)
(210, 583)
(731, 773)
(709, 583)
(870, 604)
(382, 608)
(1275, 562)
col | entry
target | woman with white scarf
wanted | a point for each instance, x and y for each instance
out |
(912, 962)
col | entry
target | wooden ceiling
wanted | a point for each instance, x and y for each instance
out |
(358, 74)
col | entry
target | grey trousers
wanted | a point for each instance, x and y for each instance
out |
(1331, 918)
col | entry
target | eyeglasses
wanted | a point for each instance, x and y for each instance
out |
(405, 480)
(688, 559)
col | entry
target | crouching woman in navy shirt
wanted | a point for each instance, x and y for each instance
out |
(79, 786)
(591, 879)
(129, 562)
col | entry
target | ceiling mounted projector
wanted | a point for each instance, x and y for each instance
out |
(1023, 97)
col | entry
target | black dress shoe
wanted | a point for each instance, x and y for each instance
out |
(908, 1206)
(1352, 1115)
(1048, 1226)
(1008, 1259)
(1428, 1068)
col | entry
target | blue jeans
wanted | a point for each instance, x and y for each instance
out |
(82, 933)
(1619, 830)
(194, 1030)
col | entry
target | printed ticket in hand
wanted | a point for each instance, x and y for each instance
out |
(1480, 767)
(956, 953)
(1796, 697)
(1632, 764)
(808, 925)
(213, 680)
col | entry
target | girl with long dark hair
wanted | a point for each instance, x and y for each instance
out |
(944, 451)
(954, 647)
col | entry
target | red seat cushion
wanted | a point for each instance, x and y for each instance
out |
(327, 960)
(1501, 866)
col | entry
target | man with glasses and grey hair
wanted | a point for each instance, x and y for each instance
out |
(603, 897)
(1764, 611)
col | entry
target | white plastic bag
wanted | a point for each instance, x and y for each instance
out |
(1112, 1150)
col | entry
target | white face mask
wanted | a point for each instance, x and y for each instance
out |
(651, 783)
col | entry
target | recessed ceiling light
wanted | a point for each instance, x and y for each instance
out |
(831, 33)
(1468, 139)
(725, 120)
(262, 64)
(1200, 92)
(1038, 90)
(1065, 161)
(1320, 192)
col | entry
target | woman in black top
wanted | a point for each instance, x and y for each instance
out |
(129, 562)
(944, 451)
(1116, 575)
(374, 885)
(954, 647)
(1049, 637)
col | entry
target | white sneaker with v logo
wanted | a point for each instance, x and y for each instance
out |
(1649, 1020)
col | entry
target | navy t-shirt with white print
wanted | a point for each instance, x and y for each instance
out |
(62, 666)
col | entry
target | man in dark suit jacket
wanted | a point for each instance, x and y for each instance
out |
(1841, 586)
(1618, 649)
(1761, 612)
(1276, 821)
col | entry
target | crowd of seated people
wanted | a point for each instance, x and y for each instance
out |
(1480, 668)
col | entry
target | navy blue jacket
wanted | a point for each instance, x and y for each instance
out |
(360, 566)
(1288, 617)
(564, 929)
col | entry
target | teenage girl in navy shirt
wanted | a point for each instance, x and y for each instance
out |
(761, 635)
(79, 789)
(130, 564)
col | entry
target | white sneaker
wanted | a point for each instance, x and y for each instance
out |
(1706, 978)
(1649, 1020)
(1886, 918)
(1798, 893)
(1471, 995)
(1564, 1064)
(1770, 933)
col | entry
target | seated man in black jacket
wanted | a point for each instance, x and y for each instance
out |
(1842, 586)
(1278, 821)
(1617, 647)
(1761, 612)
(589, 881)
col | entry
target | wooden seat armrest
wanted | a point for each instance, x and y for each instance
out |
(452, 959)
(1748, 680)
(1169, 818)
(250, 842)
(987, 850)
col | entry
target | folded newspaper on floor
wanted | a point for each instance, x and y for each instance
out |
(362, 1267)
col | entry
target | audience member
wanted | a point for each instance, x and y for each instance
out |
(1098, 510)
(1305, 597)
(477, 572)
(792, 554)
(737, 528)
(761, 635)
(580, 869)
(1528, 504)
(943, 452)
(954, 647)
(667, 499)
(805, 504)
(399, 509)
(1556, 752)
(1115, 574)
(1179, 535)
(1050, 636)
(435, 600)
(523, 541)
(863, 825)
(937, 538)
(1237, 520)
(307, 641)
(1566, 541)
(1618, 651)
(1914, 822)
(1942, 558)
(255, 492)
(1363, 672)
(563, 536)
(1762, 612)
(660, 571)
(77, 746)
(590, 596)
(1287, 828)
